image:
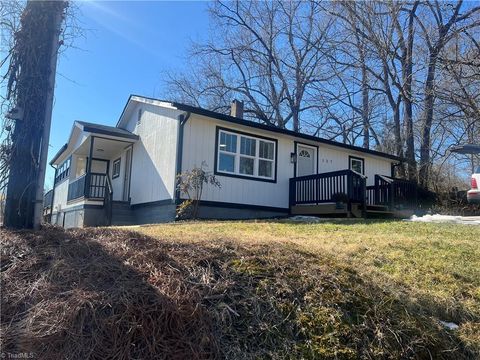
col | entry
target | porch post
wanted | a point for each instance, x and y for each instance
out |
(89, 168)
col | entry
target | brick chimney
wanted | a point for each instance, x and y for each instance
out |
(236, 109)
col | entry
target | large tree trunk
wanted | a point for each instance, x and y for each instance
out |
(407, 99)
(365, 104)
(427, 123)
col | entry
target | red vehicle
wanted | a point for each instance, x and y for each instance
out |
(473, 195)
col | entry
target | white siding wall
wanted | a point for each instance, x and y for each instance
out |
(117, 183)
(199, 146)
(60, 196)
(333, 159)
(154, 155)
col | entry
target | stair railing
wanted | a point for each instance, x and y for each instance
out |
(108, 200)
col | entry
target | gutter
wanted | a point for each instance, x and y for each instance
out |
(178, 169)
(58, 154)
(53, 192)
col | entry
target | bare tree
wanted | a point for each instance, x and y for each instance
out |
(376, 74)
(269, 54)
(448, 20)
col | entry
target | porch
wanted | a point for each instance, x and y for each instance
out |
(100, 166)
(345, 193)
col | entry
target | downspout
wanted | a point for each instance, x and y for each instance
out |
(53, 193)
(178, 169)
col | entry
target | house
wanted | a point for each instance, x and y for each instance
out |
(127, 174)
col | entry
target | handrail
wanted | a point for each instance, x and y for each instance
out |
(320, 188)
(108, 200)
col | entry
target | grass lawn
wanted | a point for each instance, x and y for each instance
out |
(411, 274)
(264, 289)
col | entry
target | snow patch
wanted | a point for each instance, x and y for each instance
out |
(449, 325)
(305, 219)
(437, 218)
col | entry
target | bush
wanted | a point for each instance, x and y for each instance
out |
(191, 184)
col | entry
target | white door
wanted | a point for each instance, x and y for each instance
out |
(305, 160)
(126, 176)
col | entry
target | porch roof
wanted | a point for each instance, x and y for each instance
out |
(106, 130)
(113, 133)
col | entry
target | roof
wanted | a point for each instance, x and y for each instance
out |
(106, 130)
(234, 120)
(95, 129)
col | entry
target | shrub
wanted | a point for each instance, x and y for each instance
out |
(191, 184)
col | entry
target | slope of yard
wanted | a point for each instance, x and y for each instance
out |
(247, 290)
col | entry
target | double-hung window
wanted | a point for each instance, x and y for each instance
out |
(245, 155)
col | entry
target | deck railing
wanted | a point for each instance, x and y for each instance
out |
(47, 199)
(321, 188)
(76, 188)
(392, 192)
(92, 186)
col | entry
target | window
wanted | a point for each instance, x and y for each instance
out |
(63, 170)
(357, 164)
(81, 167)
(116, 168)
(304, 153)
(245, 155)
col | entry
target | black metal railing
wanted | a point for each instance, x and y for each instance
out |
(324, 188)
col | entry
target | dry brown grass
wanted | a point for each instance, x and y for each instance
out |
(243, 290)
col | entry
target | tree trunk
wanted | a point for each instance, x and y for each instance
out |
(365, 104)
(407, 98)
(427, 121)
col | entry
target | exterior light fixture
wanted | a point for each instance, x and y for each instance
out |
(293, 157)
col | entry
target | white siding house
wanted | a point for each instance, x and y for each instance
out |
(127, 174)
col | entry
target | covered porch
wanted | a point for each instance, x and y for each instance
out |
(93, 165)
(345, 193)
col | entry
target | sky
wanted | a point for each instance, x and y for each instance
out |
(125, 48)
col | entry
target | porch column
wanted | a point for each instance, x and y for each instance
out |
(89, 167)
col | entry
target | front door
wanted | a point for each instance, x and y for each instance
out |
(126, 176)
(305, 160)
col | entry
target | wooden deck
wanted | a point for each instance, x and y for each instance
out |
(316, 194)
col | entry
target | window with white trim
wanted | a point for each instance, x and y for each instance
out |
(245, 155)
(357, 164)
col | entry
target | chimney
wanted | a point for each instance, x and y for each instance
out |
(236, 109)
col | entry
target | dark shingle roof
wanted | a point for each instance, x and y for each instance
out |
(106, 130)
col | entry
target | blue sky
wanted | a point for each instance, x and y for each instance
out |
(126, 47)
